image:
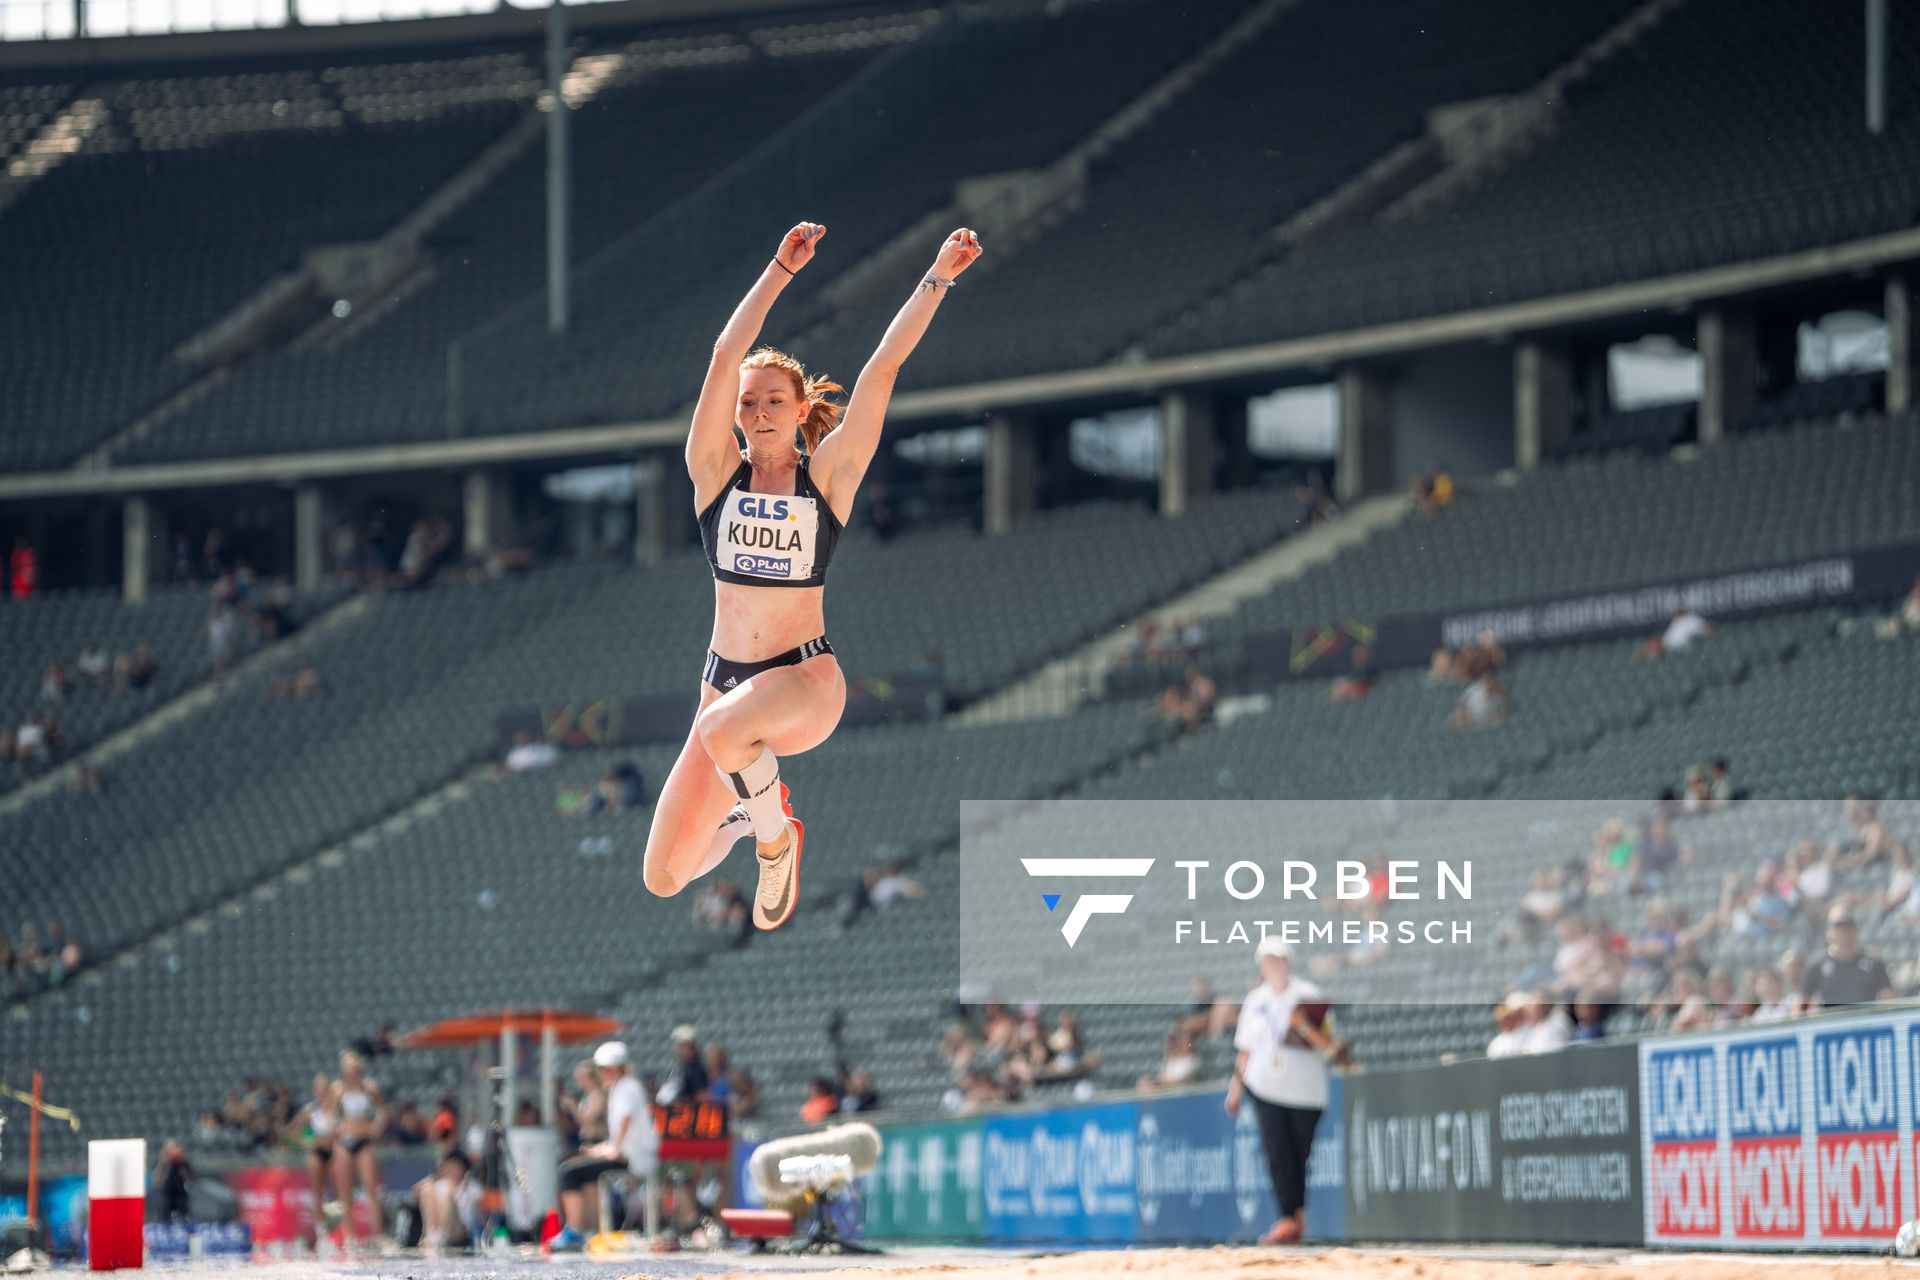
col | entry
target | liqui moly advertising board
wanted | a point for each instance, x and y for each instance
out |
(1798, 1135)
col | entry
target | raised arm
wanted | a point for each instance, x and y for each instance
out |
(711, 452)
(841, 459)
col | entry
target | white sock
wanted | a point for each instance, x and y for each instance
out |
(729, 833)
(758, 786)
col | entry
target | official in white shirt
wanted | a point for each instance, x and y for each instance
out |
(1280, 1067)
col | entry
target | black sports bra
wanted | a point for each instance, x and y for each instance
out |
(769, 540)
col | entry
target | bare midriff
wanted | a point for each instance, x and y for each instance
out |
(752, 624)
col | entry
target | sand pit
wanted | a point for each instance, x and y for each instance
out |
(1351, 1264)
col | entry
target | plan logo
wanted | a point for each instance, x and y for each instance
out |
(1087, 905)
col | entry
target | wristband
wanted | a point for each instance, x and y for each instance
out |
(784, 267)
(933, 279)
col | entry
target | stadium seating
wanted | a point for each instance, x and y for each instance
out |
(1027, 81)
(1617, 521)
(235, 175)
(388, 380)
(1176, 212)
(1732, 131)
(58, 625)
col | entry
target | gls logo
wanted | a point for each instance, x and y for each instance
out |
(1091, 904)
(765, 508)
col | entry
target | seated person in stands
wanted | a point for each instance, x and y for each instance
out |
(449, 1204)
(1180, 1066)
(1358, 682)
(1484, 702)
(134, 670)
(1906, 620)
(1683, 628)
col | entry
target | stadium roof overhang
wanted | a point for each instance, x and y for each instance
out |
(1139, 379)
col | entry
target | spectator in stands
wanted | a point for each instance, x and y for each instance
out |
(298, 687)
(1189, 704)
(134, 670)
(892, 885)
(33, 742)
(223, 635)
(1544, 1026)
(86, 780)
(1484, 702)
(1316, 498)
(1580, 961)
(730, 1087)
(213, 555)
(1902, 894)
(182, 558)
(1772, 1003)
(622, 788)
(343, 548)
(407, 1127)
(55, 684)
(93, 665)
(1480, 656)
(1357, 683)
(1180, 1066)
(527, 756)
(1683, 629)
(448, 1200)
(1846, 974)
(712, 903)
(686, 1079)
(1905, 619)
(273, 614)
(821, 1101)
(1432, 489)
(633, 1143)
(23, 568)
(859, 1095)
(1209, 1016)
(1590, 1011)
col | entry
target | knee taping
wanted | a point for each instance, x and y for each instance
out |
(758, 786)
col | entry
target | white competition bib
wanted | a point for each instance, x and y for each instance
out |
(761, 535)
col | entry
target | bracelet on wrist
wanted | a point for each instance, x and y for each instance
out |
(784, 267)
(940, 281)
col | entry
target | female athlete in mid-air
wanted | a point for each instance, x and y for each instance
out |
(769, 518)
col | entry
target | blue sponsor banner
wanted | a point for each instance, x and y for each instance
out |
(1203, 1174)
(1062, 1175)
(1765, 1142)
(167, 1240)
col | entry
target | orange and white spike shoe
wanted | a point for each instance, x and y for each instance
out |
(779, 880)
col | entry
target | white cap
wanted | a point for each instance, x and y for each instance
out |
(610, 1054)
(1271, 945)
(684, 1034)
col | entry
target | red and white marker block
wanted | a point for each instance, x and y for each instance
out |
(116, 1203)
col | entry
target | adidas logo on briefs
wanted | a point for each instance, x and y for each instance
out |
(730, 683)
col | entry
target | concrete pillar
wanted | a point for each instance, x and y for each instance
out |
(1727, 363)
(1900, 345)
(1010, 470)
(489, 510)
(1542, 400)
(653, 507)
(137, 540)
(309, 537)
(1235, 446)
(1186, 448)
(1364, 463)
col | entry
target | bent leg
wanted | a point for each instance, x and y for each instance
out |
(787, 710)
(693, 803)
